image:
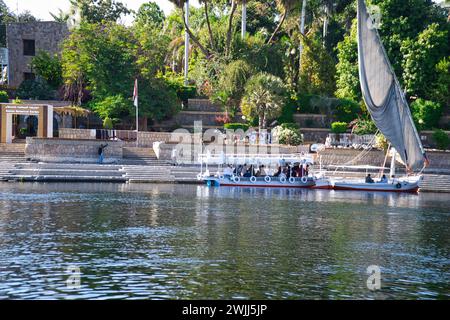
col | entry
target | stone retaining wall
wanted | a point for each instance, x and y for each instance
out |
(71, 151)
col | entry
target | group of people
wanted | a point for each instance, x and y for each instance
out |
(247, 171)
(383, 179)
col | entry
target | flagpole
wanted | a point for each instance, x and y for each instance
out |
(136, 104)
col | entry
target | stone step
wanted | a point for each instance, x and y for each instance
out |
(64, 178)
(50, 172)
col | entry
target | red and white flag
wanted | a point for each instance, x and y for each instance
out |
(135, 93)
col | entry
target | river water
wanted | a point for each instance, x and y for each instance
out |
(193, 242)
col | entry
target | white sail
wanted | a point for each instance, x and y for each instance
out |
(383, 96)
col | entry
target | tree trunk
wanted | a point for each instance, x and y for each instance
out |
(211, 39)
(283, 17)
(230, 27)
(194, 38)
(302, 32)
(244, 19)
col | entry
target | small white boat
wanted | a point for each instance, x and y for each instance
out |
(408, 184)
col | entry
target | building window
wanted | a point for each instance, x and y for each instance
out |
(29, 76)
(28, 48)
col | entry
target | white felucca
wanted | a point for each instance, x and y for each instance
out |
(389, 110)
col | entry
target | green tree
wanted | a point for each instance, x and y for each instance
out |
(347, 76)
(263, 98)
(96, 11)
(150, 14)
(426, 114)
(317, 71)
(48, 67)
(440, 91)
(422, 54)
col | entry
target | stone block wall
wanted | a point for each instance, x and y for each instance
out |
(48, 37)
(71, 151)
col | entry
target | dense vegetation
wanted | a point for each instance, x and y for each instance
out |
(272, 72)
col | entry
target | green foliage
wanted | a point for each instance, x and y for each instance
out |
(108, 123)
(346, 110)
(364, 126)
(339, 127)
(107, 58)
(176, 82)
(347, 76)
(112, 107)
(426, 114)
(35, 89)
(263, 98)
(97, 11)
(422, 54)
(236, 126)
(381, 142)
(4, 97)
(288, 110)
(150, 14)
(440, 92)
(441, 139)
(288, 133)
(49, 68)
(317, 71)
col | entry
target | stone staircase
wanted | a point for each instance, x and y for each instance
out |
(12, 153)
(141, 157)
(148, 174)
(435, 183)
(53, 172)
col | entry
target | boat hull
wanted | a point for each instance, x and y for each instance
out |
(261, 183)
(403, 186)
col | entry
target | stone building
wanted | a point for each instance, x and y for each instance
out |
(25, 40)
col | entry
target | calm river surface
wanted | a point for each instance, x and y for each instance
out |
(186, 241)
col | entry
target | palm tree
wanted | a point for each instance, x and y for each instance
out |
(263, 98)
(286, 6)
(60, 16)
(244, 19)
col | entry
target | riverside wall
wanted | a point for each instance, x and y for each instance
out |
(71, 150)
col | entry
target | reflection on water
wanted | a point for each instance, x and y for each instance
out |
(185, 241)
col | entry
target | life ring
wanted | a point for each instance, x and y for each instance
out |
(291, 179)
(221, 177)
(282, 179)
(398, 185)
(267, 179)
(253, 179)
(236, 178)
(304, 179)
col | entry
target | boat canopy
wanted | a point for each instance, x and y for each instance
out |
(366, 167)
(383, 96)
(254, 159)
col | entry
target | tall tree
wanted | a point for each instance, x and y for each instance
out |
(96, 11)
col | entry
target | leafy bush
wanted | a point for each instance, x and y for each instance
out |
(107, 123)
(236, 126)
(112, 107)
(339, 127)
(346, 110)
(288, 133)
(441, 138)
(35, 89)
(363, 126)
(426, 114)
(4, 97)
(49, 68)
(176, 82)
(287, 111)
(381, 142)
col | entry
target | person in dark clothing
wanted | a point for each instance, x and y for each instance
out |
(100, 153)
(278, 172)
(369, 179)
